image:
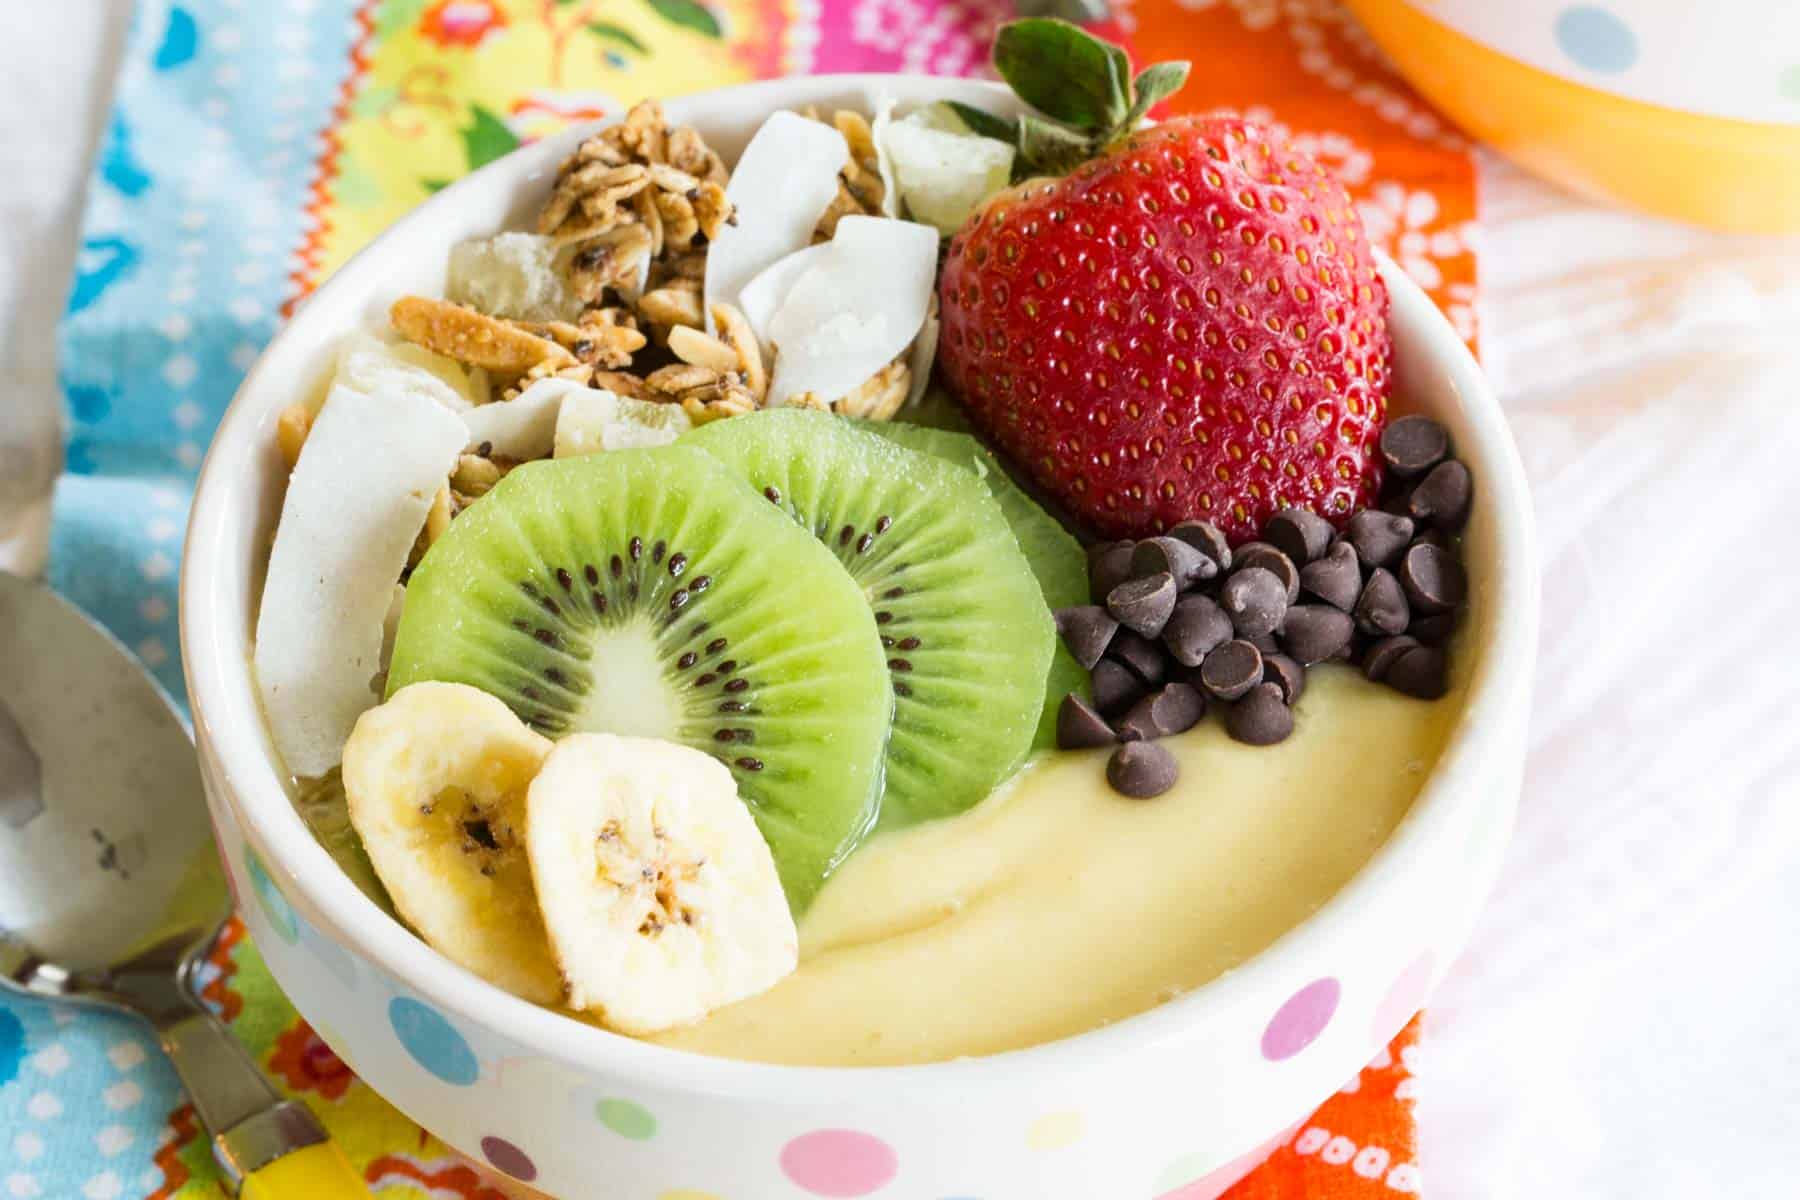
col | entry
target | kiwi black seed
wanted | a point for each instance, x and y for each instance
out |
(652, 593)
(960, 620)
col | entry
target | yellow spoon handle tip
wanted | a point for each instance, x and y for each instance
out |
(316, 1172)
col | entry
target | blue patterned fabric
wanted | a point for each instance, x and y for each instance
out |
(192, 217)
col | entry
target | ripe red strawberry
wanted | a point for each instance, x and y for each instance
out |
(1189, 325)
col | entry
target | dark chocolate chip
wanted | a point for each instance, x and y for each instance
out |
(1261, 554)
(1433, 579)
(1383, 654)
(1115, 688)
(1099, 550)
(1299, 533)
(1285, 674)
(1433, 536)
(1231, 670)
(1187, 565)
(1087, 630)
(1108, 566)
(1260, 718)
(1316, 632)
(1434, 630)
(1398, 504)
(1195, 627)
(1141, 770)
(1412, 446)
(1442, 497)
(1144, 657)
(1335, 578)
(1177, 708)
(1268, 643)
(1421, 672)
(1381, 610)
(1379, 538)
(1255, 600)
(1079, 727)
(1208, 539)
(1143, 604)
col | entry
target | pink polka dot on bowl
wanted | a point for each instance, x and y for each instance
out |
(1302, 1019)
(839, 1163)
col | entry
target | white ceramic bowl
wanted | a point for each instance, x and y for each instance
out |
(1175, 1103)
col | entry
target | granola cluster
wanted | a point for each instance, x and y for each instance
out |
(630, 215)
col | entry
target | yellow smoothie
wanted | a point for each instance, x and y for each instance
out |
(1058, 906)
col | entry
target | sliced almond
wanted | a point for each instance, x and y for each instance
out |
(471, 337)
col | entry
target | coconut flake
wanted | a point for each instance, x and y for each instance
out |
(942, 169)
(592, 421)
(782, 184)
(924, 354)
(373, 367)
(512, 275)
(762, 297)
(884, 161)
(355, 504)
(523, 427)
(856, 310)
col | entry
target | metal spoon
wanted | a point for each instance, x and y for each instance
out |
(111, 890)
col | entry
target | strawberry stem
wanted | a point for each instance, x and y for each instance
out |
(1081, 88)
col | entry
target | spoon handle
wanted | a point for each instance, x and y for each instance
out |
(268, 1148)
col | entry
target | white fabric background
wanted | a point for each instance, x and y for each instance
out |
(1627, 1021)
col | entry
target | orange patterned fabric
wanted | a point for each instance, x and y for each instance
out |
(1360, 1145)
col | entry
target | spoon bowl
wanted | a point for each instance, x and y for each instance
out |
(111, 889)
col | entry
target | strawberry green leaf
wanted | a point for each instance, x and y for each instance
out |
(606, 31)
(983, 123)
(1050, 149)
(689, 15)
(1154, 83)
(1065, 73)
(487, 138)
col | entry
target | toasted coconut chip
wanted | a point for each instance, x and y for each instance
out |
(763, 296)
(470, 337)
(369, 365)
(856, 311)
(363, 489)
(923, 354)
(784, 181)
(522, 428)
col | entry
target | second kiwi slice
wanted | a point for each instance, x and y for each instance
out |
(652, 593)
(967, 636)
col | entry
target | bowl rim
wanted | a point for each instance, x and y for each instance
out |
(252, 785)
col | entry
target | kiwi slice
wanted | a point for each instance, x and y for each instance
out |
(1055, 556)
(652, 593)
(964, 628)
